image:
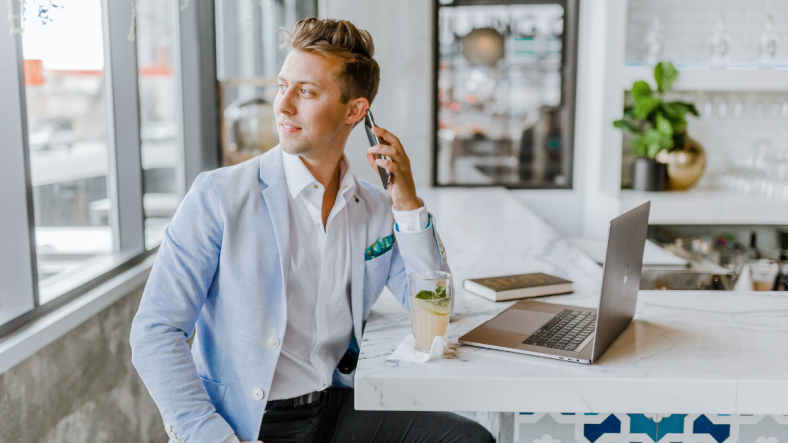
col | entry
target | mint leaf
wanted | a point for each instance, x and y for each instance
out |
(425, 295)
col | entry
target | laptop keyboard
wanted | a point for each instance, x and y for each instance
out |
(565, 331)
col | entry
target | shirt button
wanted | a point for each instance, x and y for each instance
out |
(168, 428)
(411, 228)
(316, 186)
(273, 343)
(172, 435)
(258, 394)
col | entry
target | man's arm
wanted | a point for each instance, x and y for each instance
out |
(418, 245)
(174, 295)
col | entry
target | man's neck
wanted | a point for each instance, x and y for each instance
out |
(326, 173)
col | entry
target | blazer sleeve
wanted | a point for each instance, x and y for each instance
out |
(184, 270)
(414, 251)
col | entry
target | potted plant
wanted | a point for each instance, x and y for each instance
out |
(660, 127)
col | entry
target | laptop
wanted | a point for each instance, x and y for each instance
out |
(574, 333)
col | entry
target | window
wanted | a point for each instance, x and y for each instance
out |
(67, 139)
(102, 136)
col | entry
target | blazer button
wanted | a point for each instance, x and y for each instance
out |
(273, 343)
(258, 394)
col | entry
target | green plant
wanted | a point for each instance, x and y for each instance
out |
(656, 124)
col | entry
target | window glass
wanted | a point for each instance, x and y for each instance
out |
(158, 127)
(64, 68)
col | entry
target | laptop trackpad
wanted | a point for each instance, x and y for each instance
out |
(519, 321)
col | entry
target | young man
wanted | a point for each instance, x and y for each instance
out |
(278, 260)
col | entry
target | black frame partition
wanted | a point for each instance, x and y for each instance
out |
(563, 118)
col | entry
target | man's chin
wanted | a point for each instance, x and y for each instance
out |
(293, 147)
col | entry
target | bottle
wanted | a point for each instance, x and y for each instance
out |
(720, 44)
(781, 282)
(752, 252)
(767, 47)
(654, 42)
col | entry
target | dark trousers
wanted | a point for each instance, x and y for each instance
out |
(335, 420)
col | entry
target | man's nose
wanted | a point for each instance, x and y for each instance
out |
(285, 103)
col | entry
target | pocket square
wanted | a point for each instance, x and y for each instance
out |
(379, 248)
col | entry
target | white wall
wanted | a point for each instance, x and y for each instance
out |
(402, 32)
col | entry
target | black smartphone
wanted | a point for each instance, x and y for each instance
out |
(369, 123)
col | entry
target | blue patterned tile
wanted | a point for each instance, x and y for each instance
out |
(703, 425)
(670, 424)
(649, 428)
(640, 424)
(611, 425)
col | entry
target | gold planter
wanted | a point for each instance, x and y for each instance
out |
(685, 166)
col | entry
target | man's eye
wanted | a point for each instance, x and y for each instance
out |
(282, 88)
(304, 91)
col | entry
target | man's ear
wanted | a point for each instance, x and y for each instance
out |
(358, 107)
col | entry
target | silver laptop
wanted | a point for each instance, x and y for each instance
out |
(570, 332)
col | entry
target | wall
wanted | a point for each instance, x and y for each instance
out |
(81, 387)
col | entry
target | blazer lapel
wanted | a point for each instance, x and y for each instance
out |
(275, 197)
(358, 233)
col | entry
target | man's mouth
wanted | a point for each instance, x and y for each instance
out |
(288, 128)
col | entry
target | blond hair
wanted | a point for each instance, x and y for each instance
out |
(340, 41)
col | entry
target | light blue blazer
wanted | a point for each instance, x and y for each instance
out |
(223, 267)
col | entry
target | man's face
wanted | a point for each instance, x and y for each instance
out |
(309, 113)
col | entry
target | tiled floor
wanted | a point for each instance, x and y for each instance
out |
(649, 428)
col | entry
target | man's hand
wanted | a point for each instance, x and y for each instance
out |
(401, 187)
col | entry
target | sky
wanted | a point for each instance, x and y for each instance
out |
(71, 41)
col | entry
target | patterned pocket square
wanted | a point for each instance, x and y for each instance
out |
(379, 248)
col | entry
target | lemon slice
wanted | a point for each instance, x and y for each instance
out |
(432, 308)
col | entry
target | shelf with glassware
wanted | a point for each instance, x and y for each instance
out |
(735, 76)
(748, 183)
(699, 78)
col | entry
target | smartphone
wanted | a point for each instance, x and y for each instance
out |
(369, 123)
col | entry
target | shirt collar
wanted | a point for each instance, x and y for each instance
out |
(298, 177)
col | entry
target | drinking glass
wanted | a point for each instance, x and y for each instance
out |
(430, 305)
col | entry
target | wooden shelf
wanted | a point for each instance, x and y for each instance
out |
(702, 207)
(700, 79)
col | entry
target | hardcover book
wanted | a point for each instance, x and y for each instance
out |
(510, 287)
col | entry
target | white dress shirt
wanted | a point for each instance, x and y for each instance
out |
(319, 320)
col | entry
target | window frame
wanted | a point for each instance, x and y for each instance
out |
(195, 65)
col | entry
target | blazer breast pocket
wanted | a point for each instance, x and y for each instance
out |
(379, 263)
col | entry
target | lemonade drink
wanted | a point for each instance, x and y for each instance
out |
(430, 306)
(430, 318)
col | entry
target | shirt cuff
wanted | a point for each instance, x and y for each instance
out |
(232, 439)
(411, 221)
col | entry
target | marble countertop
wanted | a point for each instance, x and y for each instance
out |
(685, 352)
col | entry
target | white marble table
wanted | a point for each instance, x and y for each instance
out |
(685, 352)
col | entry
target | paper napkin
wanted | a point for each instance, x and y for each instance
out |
(406, 350)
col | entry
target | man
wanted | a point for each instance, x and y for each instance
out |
(278, 261)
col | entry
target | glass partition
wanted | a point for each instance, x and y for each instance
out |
(505, 86)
